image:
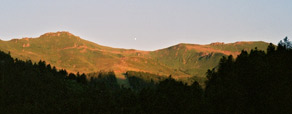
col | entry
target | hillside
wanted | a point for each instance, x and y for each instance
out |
(67, 51)
(254, 82)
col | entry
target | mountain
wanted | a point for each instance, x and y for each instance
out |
(67, 51)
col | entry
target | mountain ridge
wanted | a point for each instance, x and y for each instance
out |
(59, 33)
(68, 51)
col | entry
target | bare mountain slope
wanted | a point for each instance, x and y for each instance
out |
(67, 51)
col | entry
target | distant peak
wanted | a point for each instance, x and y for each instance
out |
(181, 44)
(185, 44)
(244, 42)
(217, 43)
(59, 33)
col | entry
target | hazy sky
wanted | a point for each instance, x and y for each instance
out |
(149, 24)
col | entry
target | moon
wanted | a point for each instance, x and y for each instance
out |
(135, 38)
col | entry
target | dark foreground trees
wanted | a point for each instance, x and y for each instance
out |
(28, 87)
(254, 82)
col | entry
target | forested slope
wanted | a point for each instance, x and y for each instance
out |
(254, 82)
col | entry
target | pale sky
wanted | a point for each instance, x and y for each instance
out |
(149, 24)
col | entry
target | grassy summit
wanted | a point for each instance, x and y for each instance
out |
(67, 51)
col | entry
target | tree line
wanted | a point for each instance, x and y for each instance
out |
(253, 82)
